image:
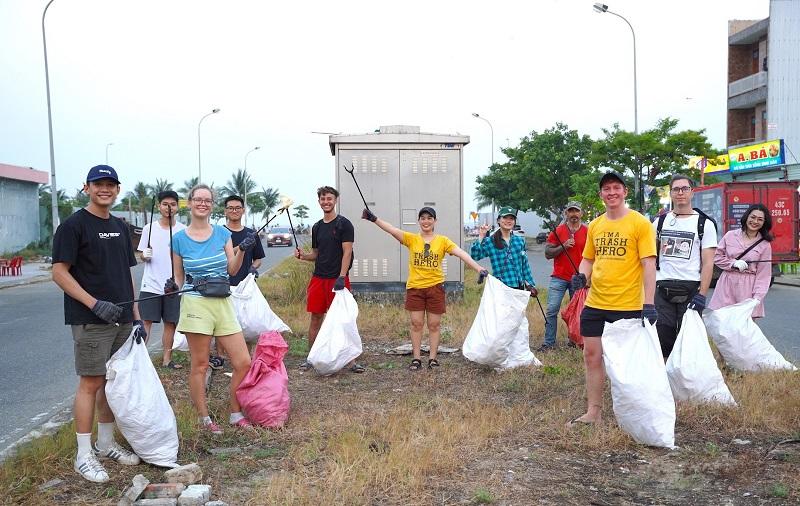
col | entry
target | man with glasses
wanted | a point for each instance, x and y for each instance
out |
(156, 251)
(234, 210)
(687, 241)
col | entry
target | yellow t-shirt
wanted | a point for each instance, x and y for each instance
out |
(617, 247)
(425, 271)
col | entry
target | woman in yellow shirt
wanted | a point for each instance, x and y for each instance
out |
(425, 284)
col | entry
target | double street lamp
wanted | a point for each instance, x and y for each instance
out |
(246, 175)
(199, 164)
(603, 8)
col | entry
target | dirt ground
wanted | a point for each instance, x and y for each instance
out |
(464, 434)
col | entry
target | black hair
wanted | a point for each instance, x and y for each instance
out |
(678, 177)
(497, 239)
(765, 230)
(327, 189)
(167, 194)
(232, 197)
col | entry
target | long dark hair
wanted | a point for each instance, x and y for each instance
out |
(766, 228)
(497, 237)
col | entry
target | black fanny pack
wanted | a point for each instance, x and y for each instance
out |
(213, 287)
(677, 292)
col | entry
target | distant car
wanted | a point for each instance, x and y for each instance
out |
(279, 236)
(541, 237)
(519, 230)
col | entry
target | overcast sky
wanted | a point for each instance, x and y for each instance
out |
(142, 73)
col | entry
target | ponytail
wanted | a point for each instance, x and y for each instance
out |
(497, 239)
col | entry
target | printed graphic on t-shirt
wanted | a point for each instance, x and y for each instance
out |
(677, 243)
(610, 246)
(426, 259)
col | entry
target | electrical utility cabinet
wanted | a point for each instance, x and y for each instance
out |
(399, 170)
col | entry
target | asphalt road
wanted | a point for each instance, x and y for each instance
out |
(38, 378)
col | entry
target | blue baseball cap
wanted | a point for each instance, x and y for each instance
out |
(101, 172)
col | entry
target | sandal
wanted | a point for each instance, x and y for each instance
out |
(415, 365)
(172, 365)
(577, 422)
(357, 368)
(433, 363)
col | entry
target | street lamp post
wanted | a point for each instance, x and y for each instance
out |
(491, 129)
(107, 146)
(603, 8)
(199, 163)
(245, 181)
(53, 186)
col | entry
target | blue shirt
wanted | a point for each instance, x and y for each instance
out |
(510, 264)
(203, 259)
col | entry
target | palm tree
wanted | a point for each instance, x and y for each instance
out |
(140, 198)
(187, 186)
(161, 185)
(80, 199)
(271, 197)
(239, 184)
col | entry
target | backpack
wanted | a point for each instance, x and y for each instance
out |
(701, 224)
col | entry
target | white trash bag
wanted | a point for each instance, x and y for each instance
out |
(179, 342)
(253, 311)
(499, 334)
(140, 406)
(691, 368)
(740, 341)
(338, 341)
(643, 403)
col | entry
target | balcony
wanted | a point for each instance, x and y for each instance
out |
(749, 83)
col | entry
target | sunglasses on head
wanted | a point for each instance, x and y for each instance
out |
(426, 250)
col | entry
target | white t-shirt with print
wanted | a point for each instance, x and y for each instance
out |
(159, 268)
(679, 257)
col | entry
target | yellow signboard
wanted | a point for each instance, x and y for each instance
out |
(757, 156)
(716, 165)
(183, 203)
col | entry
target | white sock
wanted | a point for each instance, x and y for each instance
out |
(84, 443)
(105, 435)
(205, 420)
(235, 417)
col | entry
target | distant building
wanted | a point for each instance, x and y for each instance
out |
(19, 206)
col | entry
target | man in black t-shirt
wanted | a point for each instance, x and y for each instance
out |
(234, 207)
(332, 240)
(92, 260)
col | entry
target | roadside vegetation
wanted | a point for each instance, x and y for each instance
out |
(463, 434)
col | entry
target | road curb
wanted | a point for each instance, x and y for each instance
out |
(786, 281)
(35, 279)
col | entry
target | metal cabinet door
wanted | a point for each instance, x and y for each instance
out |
(432, 178)
(377, 254)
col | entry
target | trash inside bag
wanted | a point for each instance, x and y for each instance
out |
(338, 341)
(264, 391)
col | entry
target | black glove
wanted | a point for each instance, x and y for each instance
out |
(248, 242)
(698, 303)
(107, 311)
(170, 287)
(533, 290)
(649, 312)
(578, 281)
(139, 333)
(482, 275)
(253, 271)
(366, 214)
(339, 285)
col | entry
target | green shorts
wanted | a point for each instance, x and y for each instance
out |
(210, 316)
(94, 345)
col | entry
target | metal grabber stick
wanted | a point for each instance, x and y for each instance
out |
(350, 171)
(291, 227)
(269, 220)
(171, 259)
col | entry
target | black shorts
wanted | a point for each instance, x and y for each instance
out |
(593, 320)
(160, 308)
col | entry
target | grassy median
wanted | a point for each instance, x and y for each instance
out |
(460, 435)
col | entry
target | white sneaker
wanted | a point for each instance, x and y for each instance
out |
(90, 468)
(118, 454)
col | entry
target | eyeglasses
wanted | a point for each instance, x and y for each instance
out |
(681, 189)
(237, 208)
(207, 202)
(426, 250)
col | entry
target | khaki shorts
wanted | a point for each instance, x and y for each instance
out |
(210, 316)
(429, 299)
(94, 345)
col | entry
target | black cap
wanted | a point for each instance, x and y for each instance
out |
(427, 210)
(612, 174)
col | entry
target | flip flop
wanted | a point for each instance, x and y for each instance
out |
(357, 368)
(173, 365)
(576, 422)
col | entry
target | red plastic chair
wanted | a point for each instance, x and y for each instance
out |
(12, 268)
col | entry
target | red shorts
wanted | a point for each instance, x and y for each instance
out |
(320, 293)
(426, 299)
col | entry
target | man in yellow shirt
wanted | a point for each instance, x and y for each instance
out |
(619, 267)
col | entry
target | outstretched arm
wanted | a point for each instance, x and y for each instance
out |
(460, 253)
(390, 229)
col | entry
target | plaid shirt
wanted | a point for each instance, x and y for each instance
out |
(510, 264)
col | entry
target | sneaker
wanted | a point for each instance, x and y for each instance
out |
(544, 348)
(571, 344)
(243, 423)
(305, 366)
(213, 428)
(90, 468)
(118, 454)
(216, 363)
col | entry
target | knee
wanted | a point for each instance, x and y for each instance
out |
(417, 325)
(434, 326)
(241, 363)
(316, 318)
(200, 367)
(91, 384)
(592, 357)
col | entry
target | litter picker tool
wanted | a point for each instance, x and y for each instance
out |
(152, 209)
(291, 227)
(171, 259)
(156, 296)
(350, 171)
(286, 202)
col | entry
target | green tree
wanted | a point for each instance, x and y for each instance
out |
(653, 155)
(239, 184)
(141, 199)
(586, 191)
(301, 212)
(161, 185)
(187, 186)
(270, 197)
(46, 203)
(537, 174)
(80, 199)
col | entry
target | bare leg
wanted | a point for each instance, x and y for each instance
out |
(104, 413)
(434, 333)
(417, 326)
(147, 326)
(167, 340)
(199, 345)
(85, 397)
(313, 327)
(595, 379)
(240, 360)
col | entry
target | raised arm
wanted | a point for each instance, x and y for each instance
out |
(460, 253)
(383, 225)
(234, 260)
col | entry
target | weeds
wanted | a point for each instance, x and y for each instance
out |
(482, 496)
(778, 490)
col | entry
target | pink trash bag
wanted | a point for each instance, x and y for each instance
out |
(264, 391)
